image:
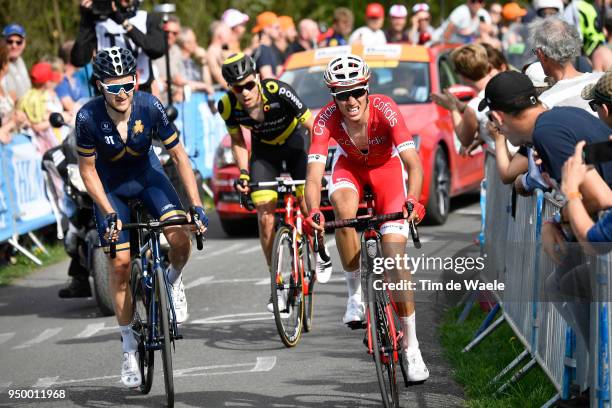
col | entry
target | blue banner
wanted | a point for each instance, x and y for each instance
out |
(201, 131)
(6, 213)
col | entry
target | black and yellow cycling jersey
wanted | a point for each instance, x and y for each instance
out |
(283, 112)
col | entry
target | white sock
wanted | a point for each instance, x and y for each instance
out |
(353, 284)
(409, 340)
(129, 341)
(173, 274)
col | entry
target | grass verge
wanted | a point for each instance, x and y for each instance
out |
(25, 266)
(476, 368)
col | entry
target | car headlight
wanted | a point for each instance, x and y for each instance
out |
(224, 157)
(75, 177)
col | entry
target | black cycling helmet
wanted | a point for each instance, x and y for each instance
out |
(114, 62)
(237, 67)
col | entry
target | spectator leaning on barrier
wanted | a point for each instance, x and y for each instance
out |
(267, 28)
(466, 23)
(371, 34)
(341, 28)
(218, 50)
(556, 45)
(287, 36)
(173, 30)
(71, 90)
(195, 63)
(308, 35)
(236, 21)
(17, 80)
(125, 27)
(10, 119)
(397, 33)
(421, 30)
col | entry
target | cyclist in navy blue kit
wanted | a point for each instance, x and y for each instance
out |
(116, 160)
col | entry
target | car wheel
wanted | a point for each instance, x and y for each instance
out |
(439, 190)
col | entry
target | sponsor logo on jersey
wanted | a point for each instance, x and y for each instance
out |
(106, 127)
(322, 119)
(161, 109)
(293, 98)
(387, 110)
(138, 127)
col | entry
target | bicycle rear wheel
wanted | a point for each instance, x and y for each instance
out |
(141, 326)
(309, 262)
(289, 288)
(164, 325)
(382, 344)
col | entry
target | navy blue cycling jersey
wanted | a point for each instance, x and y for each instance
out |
(117, 161)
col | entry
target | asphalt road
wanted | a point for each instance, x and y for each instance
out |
(231, 355)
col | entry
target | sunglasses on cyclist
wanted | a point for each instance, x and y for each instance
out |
(248, 86)
(115, 89)
(14, 42)
(355, 93)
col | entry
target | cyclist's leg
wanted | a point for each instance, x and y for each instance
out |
(264, 168)
(297, 161)
(345, 190)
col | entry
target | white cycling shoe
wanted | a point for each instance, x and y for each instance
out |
(324, 269)
(130, 371)
(179, 301)
(355, 311)
(282, 302)
(416, 370)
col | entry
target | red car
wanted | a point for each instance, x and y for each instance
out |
(406, 73)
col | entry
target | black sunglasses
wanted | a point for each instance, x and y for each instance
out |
(15, 42)
(355, 93)
(248, 86)
(595, 104)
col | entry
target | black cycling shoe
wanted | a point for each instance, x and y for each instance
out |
(77, 288)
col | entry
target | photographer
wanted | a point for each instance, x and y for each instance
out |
(109, 23)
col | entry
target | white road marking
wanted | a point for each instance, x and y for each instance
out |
(199, 281)
(262, 282)
(4, 337)
(90, 330)
(45, 335)
(468, 211)
(225, 250)
(235, 318)
(260, 365)
(45, 382)
(4, 386)
(254, 248)
(237, 280)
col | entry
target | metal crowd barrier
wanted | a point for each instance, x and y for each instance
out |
(514, 256)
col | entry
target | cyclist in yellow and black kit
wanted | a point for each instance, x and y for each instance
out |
(280, 124)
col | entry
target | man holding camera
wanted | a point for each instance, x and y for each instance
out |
(110, 23)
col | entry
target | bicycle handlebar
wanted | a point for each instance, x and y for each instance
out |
(156, 225)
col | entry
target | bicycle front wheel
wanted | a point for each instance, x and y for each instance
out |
(286, 288)
(382, 344)
(141, 325)
(164, 326)
(309, 262)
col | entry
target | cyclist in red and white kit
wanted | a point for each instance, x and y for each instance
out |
(374, 149)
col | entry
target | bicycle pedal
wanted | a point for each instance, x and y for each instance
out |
(358, 325)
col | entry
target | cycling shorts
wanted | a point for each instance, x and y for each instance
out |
(268, 162)
(387, 183)
(153, 189)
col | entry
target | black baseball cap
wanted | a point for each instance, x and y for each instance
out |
(509, 91)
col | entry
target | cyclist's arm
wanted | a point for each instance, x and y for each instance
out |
(89, 174)
(312, 191)
(412, 163)
(317, 157)
(183, 165)
(239, 149)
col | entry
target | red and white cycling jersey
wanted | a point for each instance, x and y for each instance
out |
(386, 129)
(381, 168)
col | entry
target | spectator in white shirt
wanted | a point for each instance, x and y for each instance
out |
(467, 23)
(371, 34)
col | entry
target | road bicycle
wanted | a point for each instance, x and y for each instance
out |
(383, 334)
(293, 267)
(154, 318)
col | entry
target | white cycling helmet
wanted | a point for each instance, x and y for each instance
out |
(542, 4)
(347, 70)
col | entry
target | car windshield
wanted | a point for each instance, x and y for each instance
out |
(406, 82)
